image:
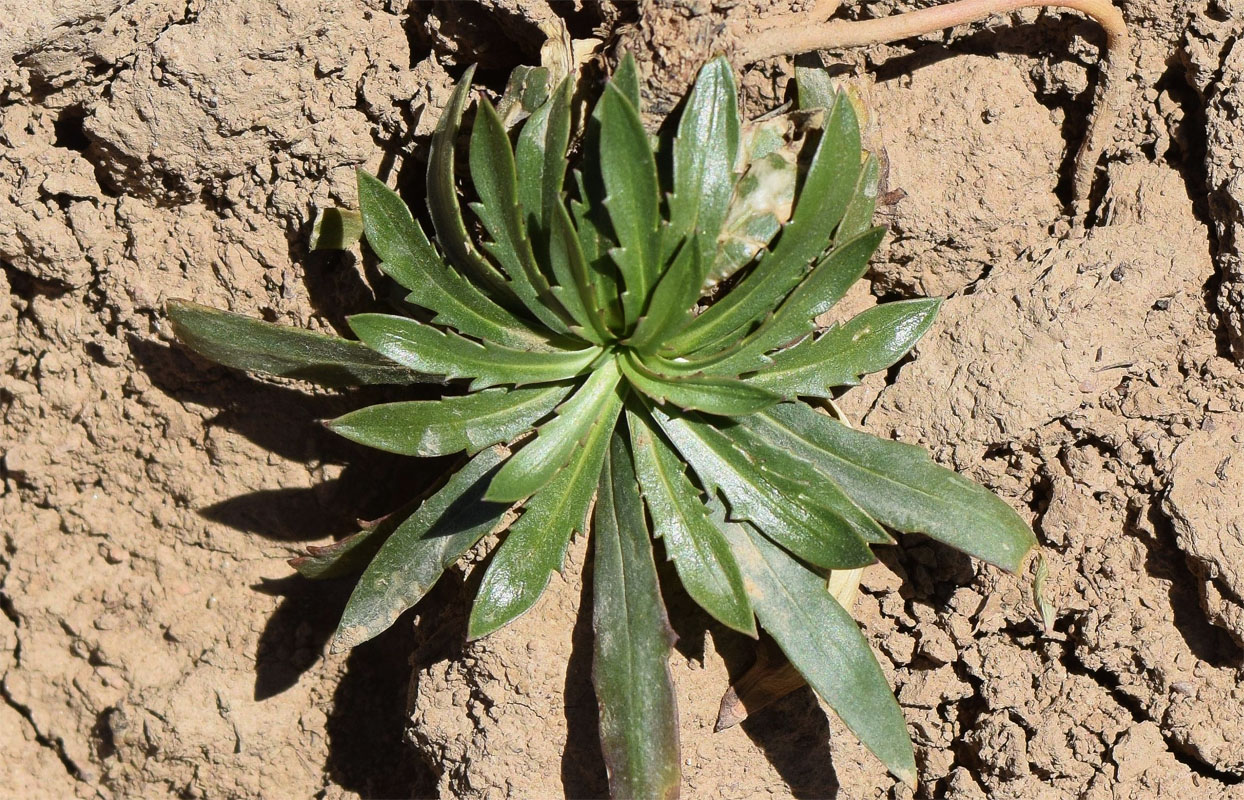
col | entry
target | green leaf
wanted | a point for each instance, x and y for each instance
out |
(335, 229)
(822, 199)
(593, 233)
(443, 198)
(700, 554)
(596, 403)
(569, 264)
(814, 88)
(629, 171)
(803, 483)
(452, 424)
(705, 150)
(859, 214)
(710, 394)
(525, 92)
(824, 643)
(777, 505)
(630, 667)
(672, 300)
(253, 345)
(824, 286)
(540, 155)
(870, 342)
(495, 177)
(626, 80)
(427, 349)
(408, 257)
(536, 544)
(346, 556)
(449, 523)
(899, 485)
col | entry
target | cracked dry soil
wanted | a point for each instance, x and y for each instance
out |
(153, 644)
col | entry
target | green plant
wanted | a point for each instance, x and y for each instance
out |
(656, 333)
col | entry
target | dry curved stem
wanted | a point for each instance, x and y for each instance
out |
(801, 37)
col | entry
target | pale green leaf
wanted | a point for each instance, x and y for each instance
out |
(335, 229)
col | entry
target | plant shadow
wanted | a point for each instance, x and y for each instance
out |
(367, 754)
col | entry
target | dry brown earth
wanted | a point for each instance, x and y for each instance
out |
(153, 644)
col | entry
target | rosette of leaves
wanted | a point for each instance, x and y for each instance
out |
(637, 344)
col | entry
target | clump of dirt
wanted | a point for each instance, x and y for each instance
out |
(152, 640)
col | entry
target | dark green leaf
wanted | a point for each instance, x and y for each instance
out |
(824, 286)
(825, 645)
(596, 403)
(495, 177)
(408, 257)
(594, 236)
(448, 524)
(428, 349)
(705, 151)
(443, 198)
(626, 80)
(870, 342)
(777, 505)
(245, 343)
(710, 394)
(697, 548)
(822, 199)
(630, 668)
(899, 485)
(452, 424)
(630, 175)
(807, 485)
(536, 544)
